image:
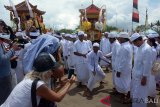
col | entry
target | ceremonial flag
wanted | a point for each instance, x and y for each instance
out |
(135, 4)
(135, 14)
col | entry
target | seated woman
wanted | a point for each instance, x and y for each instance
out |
(44, 67)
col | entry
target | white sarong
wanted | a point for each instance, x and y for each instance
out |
(139, 93)
(100, 75)
(82, 73)
(123, 83)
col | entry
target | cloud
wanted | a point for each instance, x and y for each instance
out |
(65, 13)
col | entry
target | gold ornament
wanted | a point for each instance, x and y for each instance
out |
(86, 25)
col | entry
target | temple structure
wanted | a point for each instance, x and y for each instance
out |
(92, 13)
(23, 13)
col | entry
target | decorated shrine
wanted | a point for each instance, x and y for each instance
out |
(24, 16)
(91, 19)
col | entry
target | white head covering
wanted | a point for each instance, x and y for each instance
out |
(112, 35)
(149, 31)
(67, 35)
(5, 36)
(106, 32)
(49, 33)
(96, 44)
(135, 36)
(73, 36)
(85, 35)
(80, 33)
(62, 34)
(153, 35)
(34, 33)
(144, 37)
(18, 34)
(123, 35)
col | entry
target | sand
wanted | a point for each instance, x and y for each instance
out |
(75, 98)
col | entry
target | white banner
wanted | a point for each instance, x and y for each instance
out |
(14, 8)
(30, 9)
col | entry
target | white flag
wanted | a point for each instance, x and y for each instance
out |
(14, 8)
(30, 9)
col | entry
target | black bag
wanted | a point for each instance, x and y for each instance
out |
(43, 102)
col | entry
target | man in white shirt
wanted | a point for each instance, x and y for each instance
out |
(115, 46)
(81, 49)
(141, 71)
(105, 47)
(65, 51)
(123, 75)
(152, 81)
(71, 56)
(88, 41)
(158, 58)
(96, 72)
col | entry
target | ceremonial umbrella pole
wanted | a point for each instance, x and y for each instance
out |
(132, 20)
(16, 19)
(39, 26)
(135, 13)
(32, 16)
(99, 24)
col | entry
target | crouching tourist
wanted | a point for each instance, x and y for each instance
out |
(34, 90)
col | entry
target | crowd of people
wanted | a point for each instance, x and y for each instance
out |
(31, 64)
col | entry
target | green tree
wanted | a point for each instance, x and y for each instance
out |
(157, 23)
(65, 31)
(111, 28)
(152, 25)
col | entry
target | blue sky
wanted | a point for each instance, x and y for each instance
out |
(65, 14)
(154, 3)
